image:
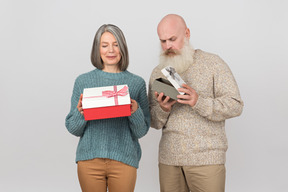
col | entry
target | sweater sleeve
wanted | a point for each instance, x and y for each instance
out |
(158, 116)
(227, 102)
(75, 122)
(140, 119)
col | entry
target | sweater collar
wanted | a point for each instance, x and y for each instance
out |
(108, 75)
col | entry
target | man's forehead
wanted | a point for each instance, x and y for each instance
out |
(165, 35)
(167, 31)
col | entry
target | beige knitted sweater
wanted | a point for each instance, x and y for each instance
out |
(193, 136)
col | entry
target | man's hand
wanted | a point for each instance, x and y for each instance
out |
(190, 97)
(79, 106)
(165, 104)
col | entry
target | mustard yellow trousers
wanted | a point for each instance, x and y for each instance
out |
(98, 174)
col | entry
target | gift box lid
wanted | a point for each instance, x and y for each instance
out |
(105, 96)
(174, 78)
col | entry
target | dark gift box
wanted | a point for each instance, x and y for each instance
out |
(164, 86)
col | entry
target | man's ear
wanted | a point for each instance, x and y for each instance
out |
(187, 33)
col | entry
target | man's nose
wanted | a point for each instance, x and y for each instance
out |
(168, 45)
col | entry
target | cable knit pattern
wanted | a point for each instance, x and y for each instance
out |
(115, 138)
(196, 136)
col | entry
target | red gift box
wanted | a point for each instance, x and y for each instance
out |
(106, 102)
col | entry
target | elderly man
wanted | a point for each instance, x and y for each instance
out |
(193, 143)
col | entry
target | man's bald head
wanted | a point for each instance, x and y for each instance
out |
(172, 20)
(172, 31)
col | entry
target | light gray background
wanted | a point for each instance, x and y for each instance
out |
(45, 45)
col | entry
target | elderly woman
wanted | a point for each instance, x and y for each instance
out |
(108, 152)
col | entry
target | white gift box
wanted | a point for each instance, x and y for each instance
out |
(106, 102)
(174, 78)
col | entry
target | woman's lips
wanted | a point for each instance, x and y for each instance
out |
(110, 57)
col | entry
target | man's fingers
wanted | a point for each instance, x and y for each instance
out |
(186, 86)
(173, 102)
(159, 98)
(183, 101)
(185, 97)
(184, 90)
(166, 99)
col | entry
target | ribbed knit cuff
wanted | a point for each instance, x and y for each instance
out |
(137, 117)
(79, 116)
(162, 114)
(77, 123)
(158, 117)
(203, 106)
(138, 125)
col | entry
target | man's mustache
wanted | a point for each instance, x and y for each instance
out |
(169, 51)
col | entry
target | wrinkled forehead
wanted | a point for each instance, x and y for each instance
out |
(171, 28)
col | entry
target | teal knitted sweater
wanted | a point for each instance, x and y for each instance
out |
(115, 138)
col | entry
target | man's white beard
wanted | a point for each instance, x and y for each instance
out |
(181, 61)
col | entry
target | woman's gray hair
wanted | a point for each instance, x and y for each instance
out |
(119, 36)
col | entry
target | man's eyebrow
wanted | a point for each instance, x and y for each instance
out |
(171, 38)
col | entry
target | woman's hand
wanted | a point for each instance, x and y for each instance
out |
(79, 106)
(134, 106)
